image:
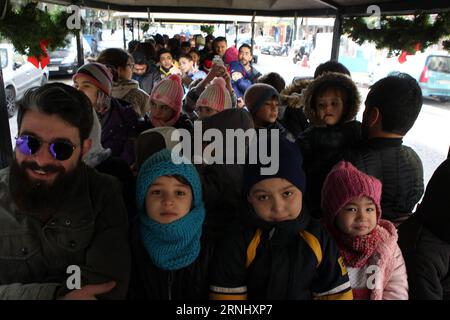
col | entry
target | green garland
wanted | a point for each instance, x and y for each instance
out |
(208, 29)
(398, 33)
(27, 26)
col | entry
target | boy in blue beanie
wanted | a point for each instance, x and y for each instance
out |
(170, 256)
(280, 252)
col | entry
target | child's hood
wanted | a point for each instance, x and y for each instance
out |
(122, 87)
(338, 80)
(292, 95)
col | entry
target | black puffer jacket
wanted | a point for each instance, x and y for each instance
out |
(400, 170)
(294, 259)
(322, 147)
(425, 240)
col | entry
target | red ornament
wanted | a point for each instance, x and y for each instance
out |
(43, 60)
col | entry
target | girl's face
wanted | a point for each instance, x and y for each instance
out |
(358, 217)
(126, 72)
(268, 113)
(168, 200)
(161, 112)
(205, 112)
(276, 200)
(195, 57)
(330, 107)
(83, 84)
(186, 65)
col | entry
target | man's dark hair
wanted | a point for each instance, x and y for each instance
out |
(274, 79)
(132, 45)
(163, 51)
(62, 100)
(399, 99)
(331, 66)
(246, 45)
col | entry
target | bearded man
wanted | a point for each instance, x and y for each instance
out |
(63, 226)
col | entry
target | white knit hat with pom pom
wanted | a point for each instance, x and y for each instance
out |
(215, 96)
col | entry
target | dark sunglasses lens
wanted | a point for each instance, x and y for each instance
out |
(61, 150)
(28, 145)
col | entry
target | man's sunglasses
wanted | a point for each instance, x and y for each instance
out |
(59, 149)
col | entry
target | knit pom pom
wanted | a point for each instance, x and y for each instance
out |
(175, 77)
(219, 82)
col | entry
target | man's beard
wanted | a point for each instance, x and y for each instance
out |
(38, 198)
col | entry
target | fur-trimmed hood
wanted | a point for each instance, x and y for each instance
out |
(332, 79)
(292, 96)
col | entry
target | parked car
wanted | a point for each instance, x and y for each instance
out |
(18, 75)
(64, 61)
(430, 68)
(268, 47)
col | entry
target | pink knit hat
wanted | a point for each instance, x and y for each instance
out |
(345, 182)
(231, 55)
(169, 91)
(215, 96)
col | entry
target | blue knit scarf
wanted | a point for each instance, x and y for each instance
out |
(174, 245)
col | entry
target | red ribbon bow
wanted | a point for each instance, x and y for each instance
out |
(44, 60)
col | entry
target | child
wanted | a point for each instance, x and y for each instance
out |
(170, 254)
(167, 65)
(331, 104)
(368, 244)
(165, 106)
(263, 100)
(278, 251)
(118, 119)
(214, 99)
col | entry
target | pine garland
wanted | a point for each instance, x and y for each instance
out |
(27, 26)
(398, 33)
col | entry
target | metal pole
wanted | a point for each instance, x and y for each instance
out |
(336, 36)
(124, 37)
(5, 134)
(139, 36)
(132, 28)
(294, 36)
(236, 29)
(253, 30)
(80, 51)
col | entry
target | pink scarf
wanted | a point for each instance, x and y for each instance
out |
(357, 250)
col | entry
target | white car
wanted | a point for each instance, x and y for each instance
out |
(18, 75)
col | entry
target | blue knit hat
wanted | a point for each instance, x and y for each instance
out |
(160, 164)
(175, 245)
(290, 167)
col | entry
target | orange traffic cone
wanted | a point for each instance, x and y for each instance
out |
(305, 61)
